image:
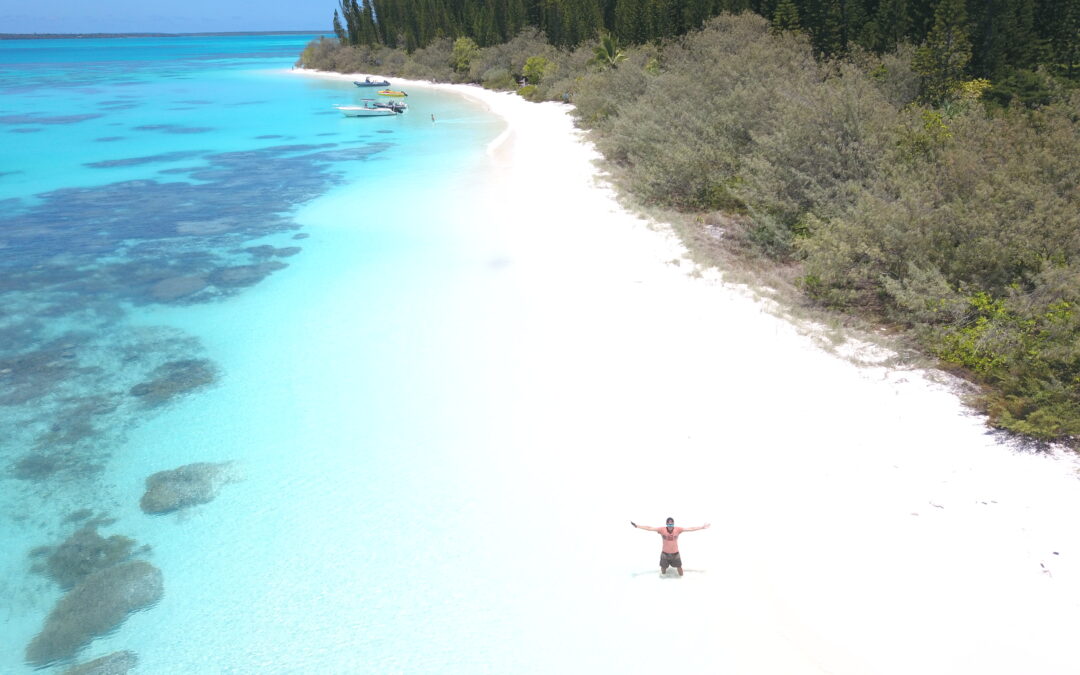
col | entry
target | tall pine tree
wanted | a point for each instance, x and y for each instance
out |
(786, 16)
(941, 60)
(339, 31)
(893, 22)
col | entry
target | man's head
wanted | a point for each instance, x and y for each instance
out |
(670, 523)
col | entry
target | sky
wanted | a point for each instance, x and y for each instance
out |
(154, 16)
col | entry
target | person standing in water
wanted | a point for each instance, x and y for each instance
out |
(669, 553)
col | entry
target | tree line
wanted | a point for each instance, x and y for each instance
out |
(1004, 36)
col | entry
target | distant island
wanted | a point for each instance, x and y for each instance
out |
(72, 36)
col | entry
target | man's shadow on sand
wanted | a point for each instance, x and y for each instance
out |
(671, 574)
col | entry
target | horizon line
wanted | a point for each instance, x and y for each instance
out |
(16, 36)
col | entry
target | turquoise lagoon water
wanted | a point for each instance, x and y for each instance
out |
(202, 261)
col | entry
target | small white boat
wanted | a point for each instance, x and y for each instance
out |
(366, 110)
(396, 106)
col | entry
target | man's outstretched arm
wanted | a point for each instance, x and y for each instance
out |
(691, 529)
(646, 527)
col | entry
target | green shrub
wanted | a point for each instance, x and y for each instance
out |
(431, 63)
(538, 69)
(511, 56)
(464, 51)
(498, 78)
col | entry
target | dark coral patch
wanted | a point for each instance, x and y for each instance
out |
(85, 552)
(96, 606)
(38, 466)
(117, 663)
(174, 288)
(148, 159)
(30, 375)
(83, 256)
(109, 139)
(184, 486)
(266, 251)
(78, 515)
(47, 119)
(44, 465)
(173, 128)
(342, 155)
(244, 275)
(174, 379)
(299, 147)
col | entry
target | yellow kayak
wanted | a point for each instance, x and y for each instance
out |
(391, 92)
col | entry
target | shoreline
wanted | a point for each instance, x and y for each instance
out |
(499, 103)
(864, 520)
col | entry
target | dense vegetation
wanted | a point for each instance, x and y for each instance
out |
(894, 186)
(1004, 35)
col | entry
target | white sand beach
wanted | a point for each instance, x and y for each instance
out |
(863, 520)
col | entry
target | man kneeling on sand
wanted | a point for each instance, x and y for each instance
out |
(669, 553)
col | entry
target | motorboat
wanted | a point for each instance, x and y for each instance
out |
(368, 82)
(396, 106)
(366, 109)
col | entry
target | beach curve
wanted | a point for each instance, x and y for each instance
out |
(864, 520)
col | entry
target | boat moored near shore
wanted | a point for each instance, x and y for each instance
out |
(396, 106)
(366, 109)
(368, 82)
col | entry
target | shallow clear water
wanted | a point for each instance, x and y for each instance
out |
(202, 261)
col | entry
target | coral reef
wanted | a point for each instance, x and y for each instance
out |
(97, 605)
(173, 379)
(149, 159)
(244, 275)
(117, 663)
(268, 251)
(172, 288)
(83, 256)
(184, 486)
(37, 466)
(173, 128)
(77, 515)
(33, 374)
(46, 119)
(83, 553)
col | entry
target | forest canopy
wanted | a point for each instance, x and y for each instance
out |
(1002, 35)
